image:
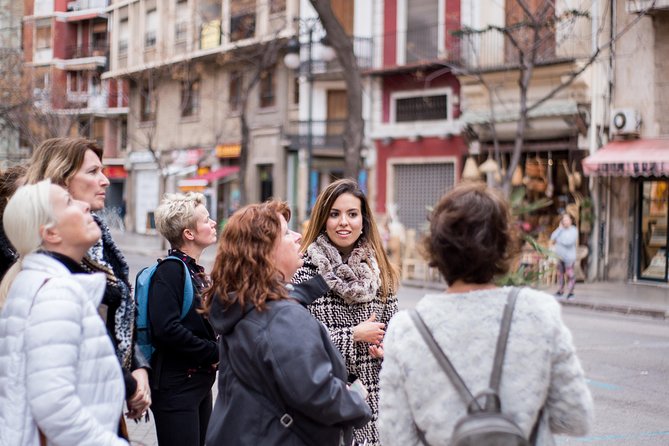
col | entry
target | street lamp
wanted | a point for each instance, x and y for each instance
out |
(292, 61)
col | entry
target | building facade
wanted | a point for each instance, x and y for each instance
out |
(66, 51)
(630, 168)
(191, 66)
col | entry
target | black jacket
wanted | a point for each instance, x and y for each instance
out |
(288, 365)
(180, 344)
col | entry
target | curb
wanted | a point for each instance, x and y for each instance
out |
(603, 307)
(620, 309)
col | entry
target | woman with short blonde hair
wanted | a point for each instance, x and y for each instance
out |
(59, 376)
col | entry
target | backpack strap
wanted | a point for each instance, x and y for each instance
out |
(443, 360)
(188, 287)
(502, 339)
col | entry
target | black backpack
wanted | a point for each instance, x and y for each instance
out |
(487, 425)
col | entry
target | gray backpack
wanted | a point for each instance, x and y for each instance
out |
(483, 425)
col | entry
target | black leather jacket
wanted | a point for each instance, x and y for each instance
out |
(284, 363)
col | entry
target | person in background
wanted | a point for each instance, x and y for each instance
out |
(76, 165)
(565, 239)
(472, 240)
(184, 362)
(342, 243)
(60, 381)
(281, 380)
(10, 180)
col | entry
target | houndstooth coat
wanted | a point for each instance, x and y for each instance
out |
(340, 316)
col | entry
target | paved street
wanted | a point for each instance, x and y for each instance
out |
(626, 358)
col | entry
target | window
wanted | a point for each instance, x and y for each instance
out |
(267, 88)
(242, 19)
(265, 176)
(151, 25)
(277, 6)
(190, 98)
(421, 108)
(422, 39)
(123, 35)
(181, 21)
(43, 37)
(296, 90)
(148, 104)
(123, 133)
(524, 34)
(235, 90)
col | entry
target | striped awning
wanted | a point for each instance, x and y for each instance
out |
(633, 158)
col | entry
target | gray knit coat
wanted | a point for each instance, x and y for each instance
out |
(540, 367)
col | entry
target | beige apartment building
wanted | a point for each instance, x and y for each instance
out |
(189, 64)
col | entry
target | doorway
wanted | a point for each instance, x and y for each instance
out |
(654, 199)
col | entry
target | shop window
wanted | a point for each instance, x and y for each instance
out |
(653, 227)
(267, 88)
(190, 98)
(266, 182)
(421, 108)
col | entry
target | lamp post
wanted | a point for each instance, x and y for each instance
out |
(292, 61)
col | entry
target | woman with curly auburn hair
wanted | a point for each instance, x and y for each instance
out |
(342, 243)
(543, 386)
(281, 381)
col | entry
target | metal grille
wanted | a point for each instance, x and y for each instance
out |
(419, 186)
(422, 108)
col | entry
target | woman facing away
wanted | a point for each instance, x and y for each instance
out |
(184, 362)
(342, 244)
(59, 376)
(471, 240)
(76, 165)
(281, 380)
(565, 239)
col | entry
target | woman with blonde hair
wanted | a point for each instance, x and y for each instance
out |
(184, 362)
(342, 244)
(60, 381)
(76, 165)
(281, 381)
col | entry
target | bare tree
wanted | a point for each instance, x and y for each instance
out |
(529, 34)
(355, 125)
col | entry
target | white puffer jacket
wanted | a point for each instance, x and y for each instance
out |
(58, 369)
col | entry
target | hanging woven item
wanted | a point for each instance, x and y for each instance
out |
(517, 178)
(489, 166)
(471, 170)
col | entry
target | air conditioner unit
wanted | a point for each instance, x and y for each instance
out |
(625, 121)
(72, 6)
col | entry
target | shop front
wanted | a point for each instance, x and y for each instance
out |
(642, 167)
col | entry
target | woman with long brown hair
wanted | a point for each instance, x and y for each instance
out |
(342, 243)
(281, 381)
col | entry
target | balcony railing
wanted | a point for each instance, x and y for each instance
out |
(363, 48)
(78, 5)
(325, 134)
(486, 50)
(80, 51)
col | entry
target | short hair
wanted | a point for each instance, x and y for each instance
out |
(176, 213)
(244, 271)
(27, 211)
(59, 159)
(370, 231)
(472, 237)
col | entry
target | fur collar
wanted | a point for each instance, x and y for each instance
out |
(356, 280)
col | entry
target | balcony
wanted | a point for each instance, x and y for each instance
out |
(81, 5)
(362, 47)
(326, 136)
(649, 6)
(83, 51)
